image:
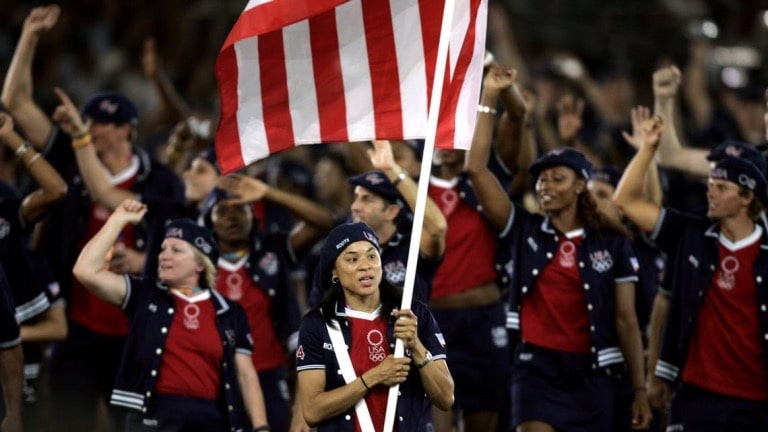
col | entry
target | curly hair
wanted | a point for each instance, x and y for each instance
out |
(597, 221)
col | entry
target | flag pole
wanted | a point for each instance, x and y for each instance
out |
(421, 196)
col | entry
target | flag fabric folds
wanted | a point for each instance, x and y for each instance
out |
(295, 72)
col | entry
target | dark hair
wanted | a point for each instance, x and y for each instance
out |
(755, 208)
(390, 295)
(594, 219)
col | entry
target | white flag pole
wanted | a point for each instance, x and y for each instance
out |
(421, 196)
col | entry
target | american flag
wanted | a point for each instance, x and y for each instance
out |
(295, 72)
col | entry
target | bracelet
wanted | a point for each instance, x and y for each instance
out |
(82, 141)
(262, 428)
(486, 110)
(21, 150)
(32, 160)
(367, 389)
(400, 177)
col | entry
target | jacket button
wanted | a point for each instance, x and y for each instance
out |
(224, 364)
(592, 328)
(759, 279)
(226, 386)
(170, 311)
(525, 290)
(766, 336)
(153, 372)
(271, 292)
(594, 366)
(593, 349)
(144, 409)
(149, 393)
(164, 330)
(762, 308)
(581, 264)
(586, 287)
(711, 267)
(256, 278)
(535, 272)
(158, 351)
(498, 266)
(231, 408)
(589, 306)
(401, 418)
(347, 417)
(549, 255)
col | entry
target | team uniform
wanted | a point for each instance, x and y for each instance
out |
(369, 340)
(85, 363)
(715, 343)
(475, 335)
(260, 283)
(562, 305)
(178, 369)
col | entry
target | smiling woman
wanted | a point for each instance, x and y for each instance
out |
(177, 370)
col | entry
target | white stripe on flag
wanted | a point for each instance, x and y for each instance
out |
(301, 84)
(250, 113)
(355, 71)
(406, 24)
(466, 108)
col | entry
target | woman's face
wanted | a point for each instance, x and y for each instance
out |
(359, 269)
(557, 188)
(178, 266)
(602, 193)
(199, 180)
(232, 222)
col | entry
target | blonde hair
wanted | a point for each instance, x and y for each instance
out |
(208, 277)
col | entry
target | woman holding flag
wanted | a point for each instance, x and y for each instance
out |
(346, 389)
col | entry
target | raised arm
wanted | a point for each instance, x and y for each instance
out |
(17, 89)
(173, 107)
(652, 187)
(94, 173)
(629, 192)
(52, 186)
(91, 269)
(496, 204)
(315, 220)
(672, 153)
(435, 226)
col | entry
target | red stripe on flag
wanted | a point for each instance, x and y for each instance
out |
(430, 35)
(329, 83)
(274, 15)
(274, 92)
(382, 61)
(227, 135)
(446, 127)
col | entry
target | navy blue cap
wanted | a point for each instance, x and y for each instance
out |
(564, 156)
(111, 107)
(743, 173)
(739, 150)
(200, 238)
(607, 174)
(378, 183)
(339, 239)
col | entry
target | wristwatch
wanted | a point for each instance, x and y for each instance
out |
(427, 359)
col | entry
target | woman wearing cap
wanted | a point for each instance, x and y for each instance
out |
(186, 364)
(572, 297)
(360, 312)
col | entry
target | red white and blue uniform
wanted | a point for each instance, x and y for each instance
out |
(315, 352)
(573, 349)
(476, 335)
(260, 283)
(716, 338)
(149, 375)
